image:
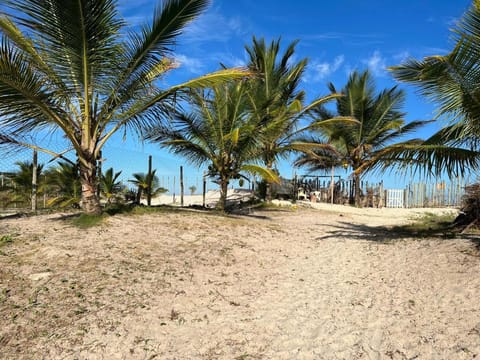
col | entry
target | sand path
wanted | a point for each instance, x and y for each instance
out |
(307, 284)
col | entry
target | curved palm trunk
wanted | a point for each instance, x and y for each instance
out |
(222, 203)
(88, 179)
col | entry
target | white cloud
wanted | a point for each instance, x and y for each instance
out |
(228, 59)
(401, 56)
(192, 65)
(212, 26)
(376, 64)
(320, 70)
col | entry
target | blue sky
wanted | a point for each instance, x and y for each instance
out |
(336, 36)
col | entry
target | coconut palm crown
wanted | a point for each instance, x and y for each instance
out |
(361, 145)
(67, 66)
(277, 101)
(219, 132)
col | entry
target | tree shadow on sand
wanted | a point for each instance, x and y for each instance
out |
(388, 234)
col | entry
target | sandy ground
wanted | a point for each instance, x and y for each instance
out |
(279, 284)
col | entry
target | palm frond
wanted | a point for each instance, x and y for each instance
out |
(264, 173)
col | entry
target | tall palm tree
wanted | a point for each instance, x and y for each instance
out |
(276, 100)
(65, 65)
(362, 145)
(218, 131)
(450, 81)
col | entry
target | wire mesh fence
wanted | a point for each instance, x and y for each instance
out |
(132, 159)
(128, 160)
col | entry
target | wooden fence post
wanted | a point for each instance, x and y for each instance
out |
(181, 186)
(34, 180)
(150, 181)
(204, 190)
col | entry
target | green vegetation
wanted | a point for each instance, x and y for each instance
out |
(429, 225)
(71, 69)
(219, 133)
(277, 103)
(67, 67)
(361, 144)
(6, 239)
(20, 188)
(86, 220)
(110, 187)
(64, 185)
(451, 82)
(147, 186)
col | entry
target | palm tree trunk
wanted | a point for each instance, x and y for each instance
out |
(222, 203)
(356, 179)
(268, 186)
(139, 195)
(88, 179)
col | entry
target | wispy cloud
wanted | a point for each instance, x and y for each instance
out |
(430, 51)
(192, 65)
(376, 63)
(320, 70)
(229, 59)
(209, 63)
(213, 26)
(356, 39)
(138, 14)
(401, 56)
(451, 21)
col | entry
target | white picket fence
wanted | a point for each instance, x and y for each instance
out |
(394, 198)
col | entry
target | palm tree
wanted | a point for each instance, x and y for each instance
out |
(218, 131)
(147, 184)
(276, 100)
(64, 182)
(22, 182)
(65, 66)
(362, 145)
(450, 81)
(109, 185)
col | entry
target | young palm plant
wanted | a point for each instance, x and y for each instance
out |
(64, 184)
(110, 187)
(363, 145)
(21, 188)
(147, 184)
(219, 132)
(66, 66)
